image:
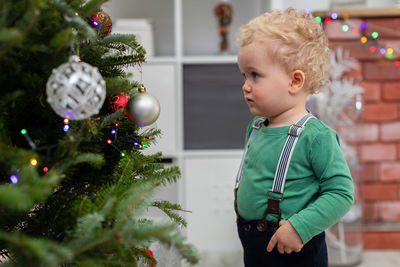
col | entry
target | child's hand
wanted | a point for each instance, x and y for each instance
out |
(286, 238)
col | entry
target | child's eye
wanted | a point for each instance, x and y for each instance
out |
(255, 75)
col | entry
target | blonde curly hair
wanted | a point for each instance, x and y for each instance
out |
(295, 40)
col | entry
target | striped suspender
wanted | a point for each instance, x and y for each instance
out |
(256, 126)
(286, 154)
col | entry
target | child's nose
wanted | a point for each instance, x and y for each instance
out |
(246, 87)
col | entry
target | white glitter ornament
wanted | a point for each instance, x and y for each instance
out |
(76, 90)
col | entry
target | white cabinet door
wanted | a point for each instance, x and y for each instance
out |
(208, 183)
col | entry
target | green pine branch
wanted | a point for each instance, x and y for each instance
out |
(168, 208)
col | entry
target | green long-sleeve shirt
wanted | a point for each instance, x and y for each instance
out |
(318, 189)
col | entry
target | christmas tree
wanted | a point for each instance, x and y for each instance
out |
(75, 186)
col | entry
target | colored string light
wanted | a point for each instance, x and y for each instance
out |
(354, 31)
(374, 35)
(364, 39)
(397, 63)
(389, 56)
(66, 121)
(334, 15)
(345, 28)
(23, 131)
(113, 131)
(109, 141)
(66, 128)
(382, 51)
(33, 161)
(390, 50)
(327, 20)
(116, 125)
(14, 179)
(45, 169)
(308, 11)
(318, 19)
(372, 49)
(363, 26)
(122, 154)
(146, 145)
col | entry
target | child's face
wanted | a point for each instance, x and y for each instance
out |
(266, 83)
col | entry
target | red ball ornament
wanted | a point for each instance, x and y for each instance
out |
(116, 102)
(102, 22)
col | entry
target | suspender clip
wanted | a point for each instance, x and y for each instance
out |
(258, 122)
(295, 129)
(279, 199)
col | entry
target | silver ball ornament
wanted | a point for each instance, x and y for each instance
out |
(143, 108)
(76, 90)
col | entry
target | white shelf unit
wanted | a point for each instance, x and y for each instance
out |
(185, 34)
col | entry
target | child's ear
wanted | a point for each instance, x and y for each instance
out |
(297, 82)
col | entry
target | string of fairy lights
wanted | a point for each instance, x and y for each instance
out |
(137, 142)
(370, 40)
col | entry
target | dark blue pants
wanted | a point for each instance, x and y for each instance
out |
(254, 242)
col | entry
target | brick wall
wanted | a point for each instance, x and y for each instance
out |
(378, 142)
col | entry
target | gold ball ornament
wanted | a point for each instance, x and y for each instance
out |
(143, 108)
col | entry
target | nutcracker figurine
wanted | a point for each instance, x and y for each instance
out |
(223, 11)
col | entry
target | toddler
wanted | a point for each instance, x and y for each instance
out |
(293, 182)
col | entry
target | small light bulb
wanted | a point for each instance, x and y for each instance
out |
(372, 49)
(113, 131)
(45, 169)
(363, 39)
(14, 179)
(33, 161)
(109, 141)
(66, 121)
(66, 128)
(363, 26)
(122, 154)
(23, 131)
